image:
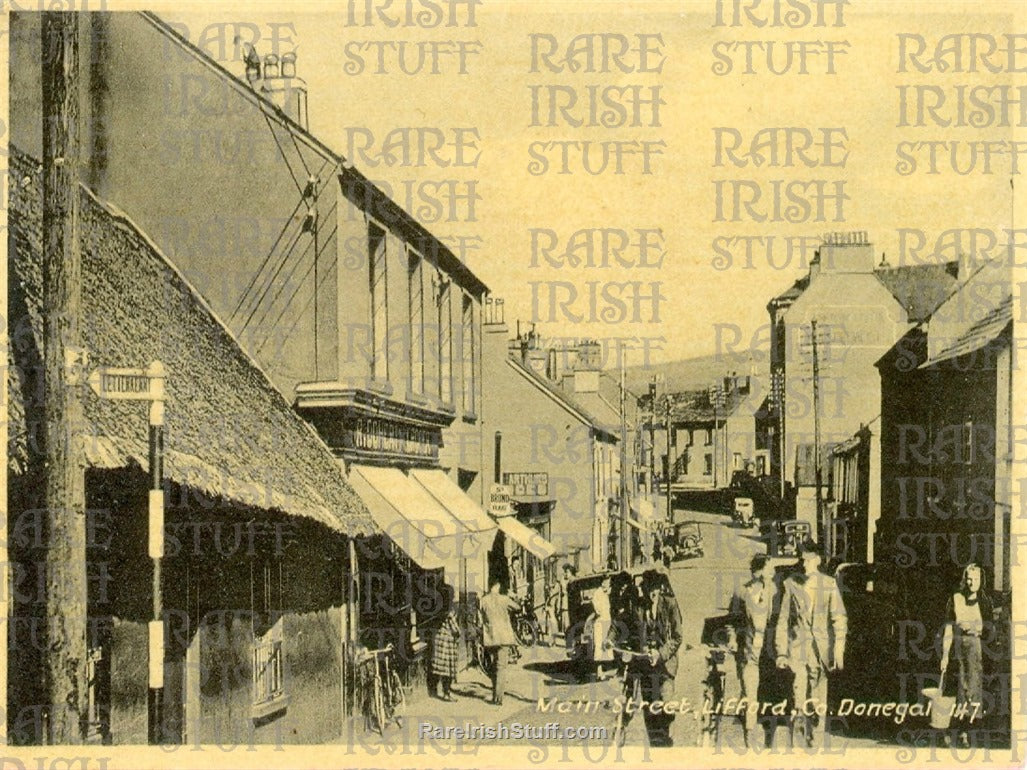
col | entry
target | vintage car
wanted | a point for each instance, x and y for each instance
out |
(761, 490)
(787, 536)
(625, 601)
(681, 541)
(744, 513)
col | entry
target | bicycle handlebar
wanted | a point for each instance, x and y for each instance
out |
(375, 653)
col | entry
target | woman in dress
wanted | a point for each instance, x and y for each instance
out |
(969, 612)
(602, 650)
(444, 648)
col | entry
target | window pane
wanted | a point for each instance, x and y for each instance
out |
(445, 342)
(468, 355)
(416, 297)
(379, 303)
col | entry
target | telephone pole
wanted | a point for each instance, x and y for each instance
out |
(652, 441)
(65, 653)
(818, 471)
(625, 539)
(670, 457)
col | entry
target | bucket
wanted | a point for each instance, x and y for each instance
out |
(941, 707)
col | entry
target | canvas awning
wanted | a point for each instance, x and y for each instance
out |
(455, 500)
(526, 537)
(422, 526)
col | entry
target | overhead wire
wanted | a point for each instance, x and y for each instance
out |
(246, 293)
(269, 282)
(266, 259)
(289, 301)
(281, 151)
(285, 281)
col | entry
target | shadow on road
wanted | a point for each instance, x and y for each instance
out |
(558, 671)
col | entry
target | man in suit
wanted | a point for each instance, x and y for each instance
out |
(750, 611)
(498, 636)
(656, 638)
(810, 640)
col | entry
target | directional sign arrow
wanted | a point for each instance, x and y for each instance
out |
(127, 383)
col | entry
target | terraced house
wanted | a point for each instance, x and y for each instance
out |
(368, 322)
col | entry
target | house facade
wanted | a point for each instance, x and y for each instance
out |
(829, 328)
(369, 323)
(946, 487)
(548, 437)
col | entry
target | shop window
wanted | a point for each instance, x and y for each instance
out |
(708, 465)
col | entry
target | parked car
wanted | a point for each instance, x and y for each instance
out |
(787, 536)
(744, 513)
(761, 490)
(682, 541)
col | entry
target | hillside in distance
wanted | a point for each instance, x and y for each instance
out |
(696, 373)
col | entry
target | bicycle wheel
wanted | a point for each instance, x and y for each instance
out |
(379, 705)
(397, 697)
(525, 632)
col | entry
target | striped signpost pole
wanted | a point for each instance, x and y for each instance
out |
(147, 384)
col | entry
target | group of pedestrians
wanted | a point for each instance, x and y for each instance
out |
(636, 629)
(797, 627)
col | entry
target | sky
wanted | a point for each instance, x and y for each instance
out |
(676, 278)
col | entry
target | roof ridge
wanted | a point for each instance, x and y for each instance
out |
(564, 398)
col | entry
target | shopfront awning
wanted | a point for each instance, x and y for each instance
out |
(419, 524)
(526, 537)
(643, 514)
(455, 500)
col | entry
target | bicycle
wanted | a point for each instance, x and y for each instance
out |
(384, 695)
(630, 691)
(713, 694)
(526, 625)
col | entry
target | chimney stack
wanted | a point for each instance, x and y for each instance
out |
(275, 79)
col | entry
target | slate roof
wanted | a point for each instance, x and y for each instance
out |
(980, 335)
(571, 403)
(919, 288)
(692, 406)
(229, 433)
(791, 293)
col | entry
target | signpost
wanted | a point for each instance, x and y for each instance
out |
(147, 384)
(500, 500)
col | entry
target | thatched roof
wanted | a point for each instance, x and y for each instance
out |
(229, 433)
